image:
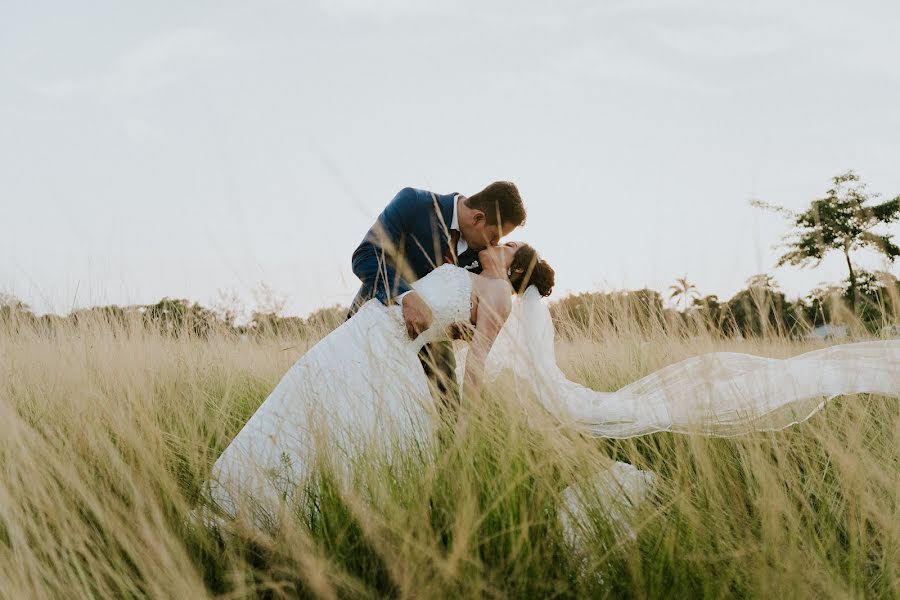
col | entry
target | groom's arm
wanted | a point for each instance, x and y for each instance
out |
(375, 259)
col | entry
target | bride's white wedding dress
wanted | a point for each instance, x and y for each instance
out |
(362, 388)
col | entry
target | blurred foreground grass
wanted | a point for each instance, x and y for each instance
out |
(108, 432)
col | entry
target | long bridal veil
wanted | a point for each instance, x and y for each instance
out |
(717, 394)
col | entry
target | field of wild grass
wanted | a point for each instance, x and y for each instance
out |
(108, 432)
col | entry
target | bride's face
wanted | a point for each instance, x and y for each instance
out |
(498, 258)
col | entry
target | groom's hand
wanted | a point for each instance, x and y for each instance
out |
(416, 314)
(461, 331)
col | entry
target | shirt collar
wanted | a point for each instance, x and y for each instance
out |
(454, 223)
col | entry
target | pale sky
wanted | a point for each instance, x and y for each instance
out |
(179, 148)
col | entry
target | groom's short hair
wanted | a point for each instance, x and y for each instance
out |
(500, 202)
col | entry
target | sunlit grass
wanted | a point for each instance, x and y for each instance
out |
(108, 433)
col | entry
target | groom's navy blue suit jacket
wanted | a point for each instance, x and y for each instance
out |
(408, 241)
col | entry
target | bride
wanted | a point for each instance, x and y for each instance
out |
(363, 388)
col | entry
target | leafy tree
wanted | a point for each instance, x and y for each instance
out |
(177, 317)
(876, 293)
(712, 312)
(271, 324)
(684, 291)
(823, 303)
(326, 320)
(762, 309)
(14, 312)
(111, 315)
(595, 314)
(762, 281)
(844, 220)
(646, 307)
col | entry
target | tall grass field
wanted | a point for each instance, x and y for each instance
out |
(108, 433)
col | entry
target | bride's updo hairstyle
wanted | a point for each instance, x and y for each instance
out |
(528, 268)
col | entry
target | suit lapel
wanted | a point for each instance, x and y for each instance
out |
(469, 261)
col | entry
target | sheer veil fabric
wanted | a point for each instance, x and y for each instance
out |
(716, 394)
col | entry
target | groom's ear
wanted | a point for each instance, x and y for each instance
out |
(478, 217)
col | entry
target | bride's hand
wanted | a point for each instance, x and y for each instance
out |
(416, 314)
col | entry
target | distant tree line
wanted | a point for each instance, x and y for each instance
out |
(844, 220)
(760, 309)
(175, 317)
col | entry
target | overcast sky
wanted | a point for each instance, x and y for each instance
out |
(179, 148)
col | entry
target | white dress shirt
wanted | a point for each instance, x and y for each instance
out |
(462, 245)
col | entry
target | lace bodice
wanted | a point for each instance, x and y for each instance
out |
(448, 292)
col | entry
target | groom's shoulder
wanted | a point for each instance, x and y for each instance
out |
(411, 192)
(411, 196)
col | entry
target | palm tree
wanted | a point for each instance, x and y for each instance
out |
(684, 291)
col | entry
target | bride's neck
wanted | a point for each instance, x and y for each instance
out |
(492, 272)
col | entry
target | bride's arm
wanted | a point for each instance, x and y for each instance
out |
(493, 309)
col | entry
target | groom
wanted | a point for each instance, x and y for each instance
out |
(419, 231)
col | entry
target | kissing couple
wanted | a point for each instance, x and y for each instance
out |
(433, 268)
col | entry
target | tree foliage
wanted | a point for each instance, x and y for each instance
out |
(683, 292)
(845, 220)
